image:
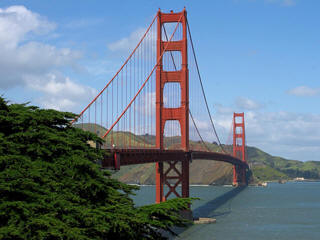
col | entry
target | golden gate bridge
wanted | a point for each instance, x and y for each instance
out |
(144, 112)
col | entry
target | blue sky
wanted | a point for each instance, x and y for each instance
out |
(257, 56)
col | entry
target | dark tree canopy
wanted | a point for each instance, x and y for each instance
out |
(51, 186)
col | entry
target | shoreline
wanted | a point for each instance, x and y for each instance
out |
(230, 185)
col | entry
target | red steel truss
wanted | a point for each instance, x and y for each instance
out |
(121, 157)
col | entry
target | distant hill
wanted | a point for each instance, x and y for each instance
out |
(264, 167)
(135, 140)
(267, 167)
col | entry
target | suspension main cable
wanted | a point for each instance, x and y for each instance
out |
(194, 123)
(204, 95)
(229, 137)
(203, 142)
(143, 84)
(116, 75)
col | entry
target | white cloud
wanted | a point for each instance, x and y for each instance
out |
(17, 21)
(36, 66)
(127, 43)
(286, 134)
(100, 68)
(247, 104)
(202, 125)
(20, 57)
(32, 59)
(60, 92)
(303, 91)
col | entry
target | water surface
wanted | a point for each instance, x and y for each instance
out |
(280, 211)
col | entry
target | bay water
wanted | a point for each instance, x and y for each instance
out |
(279, 211)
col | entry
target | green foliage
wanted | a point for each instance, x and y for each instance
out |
(266, 173)
(51, 186)
(266, 167)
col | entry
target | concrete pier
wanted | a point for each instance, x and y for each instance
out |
(204, 220)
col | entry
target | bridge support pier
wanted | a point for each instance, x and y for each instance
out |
(239, 176)
(159, 182)
(172, 174)
(185, 178)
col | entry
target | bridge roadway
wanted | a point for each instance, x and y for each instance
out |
(116, 157)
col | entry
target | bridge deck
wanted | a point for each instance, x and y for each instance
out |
(116, 157)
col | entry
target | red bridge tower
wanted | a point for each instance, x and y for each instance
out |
(181, 114)
(239, 149)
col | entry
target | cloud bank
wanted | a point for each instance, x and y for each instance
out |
(286, 134)
(34, 65)
(304, 91)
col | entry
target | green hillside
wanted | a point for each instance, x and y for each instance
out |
(115, 137)
(267, 167)
(264, 167)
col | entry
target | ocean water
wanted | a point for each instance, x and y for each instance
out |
(280, 211)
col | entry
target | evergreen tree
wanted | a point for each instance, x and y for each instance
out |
(51, 186)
